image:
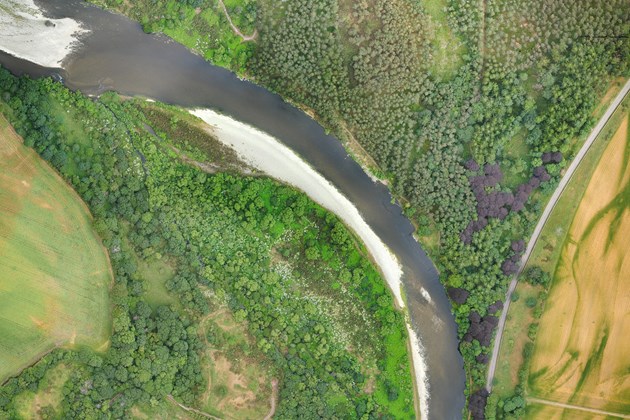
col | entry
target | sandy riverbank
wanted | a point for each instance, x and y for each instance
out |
(278, 161)
(27, 34)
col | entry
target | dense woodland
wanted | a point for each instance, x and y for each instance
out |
(470, 109)
(314, 305)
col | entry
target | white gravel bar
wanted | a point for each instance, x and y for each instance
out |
(27, 34)
(270, 156)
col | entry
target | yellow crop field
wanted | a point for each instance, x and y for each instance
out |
(54, 271)
(550, 412)
(581, 353)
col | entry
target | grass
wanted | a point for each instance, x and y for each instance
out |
(516, 153)
(54, 271)
(156, 272)
(448, 49)
(48, 396)
(353, 323)
(238, 375)
(190, 136)
(163, 410)
(547, 250)
(514, 339)
(580, 354)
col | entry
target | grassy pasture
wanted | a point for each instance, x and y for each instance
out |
(54, 271)
(580, 355)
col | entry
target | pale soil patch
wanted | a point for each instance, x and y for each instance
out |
(581, 350)
(274, 399)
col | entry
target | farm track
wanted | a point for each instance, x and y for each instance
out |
(543, 219)
(192, 410)
(577, 407)
(245, 38)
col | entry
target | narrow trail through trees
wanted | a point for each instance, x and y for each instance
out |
(237, 31)
(274, 399)
(192, 410)
(543, 219)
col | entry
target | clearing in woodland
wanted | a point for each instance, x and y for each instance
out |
(239, 380)
(580, 354)
(54, 271)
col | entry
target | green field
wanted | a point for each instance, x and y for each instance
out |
(54, 272)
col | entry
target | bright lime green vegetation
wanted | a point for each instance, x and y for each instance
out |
(204, 29)
(291, 294)
(54, 272)
(513, 375)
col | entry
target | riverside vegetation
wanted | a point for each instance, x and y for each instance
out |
(470, 109)
(194, 251)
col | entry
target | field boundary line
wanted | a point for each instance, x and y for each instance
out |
(577, 407)
(616, 102)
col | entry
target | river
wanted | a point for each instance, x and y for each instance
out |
(118, 55)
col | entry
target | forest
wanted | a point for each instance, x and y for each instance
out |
(320, 315)
(470, 110)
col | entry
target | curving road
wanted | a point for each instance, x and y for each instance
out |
(543, 219)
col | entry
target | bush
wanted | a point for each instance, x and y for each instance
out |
(531, 302)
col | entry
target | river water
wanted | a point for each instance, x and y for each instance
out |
(118, 55)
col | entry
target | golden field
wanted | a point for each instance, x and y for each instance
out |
(581, 353)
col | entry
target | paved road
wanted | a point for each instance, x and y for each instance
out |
(541, 223)
(576, 407)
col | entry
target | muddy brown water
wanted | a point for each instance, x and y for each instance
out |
(118, 55)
